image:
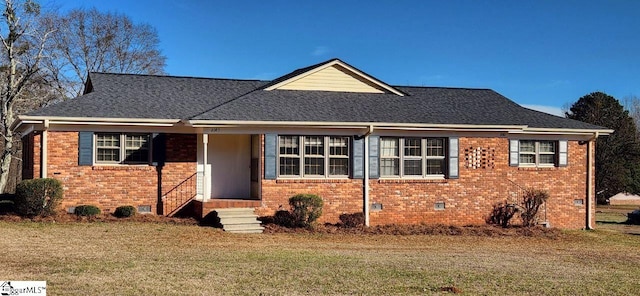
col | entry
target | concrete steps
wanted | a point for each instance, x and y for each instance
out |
(239, 220)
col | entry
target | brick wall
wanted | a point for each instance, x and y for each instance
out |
(109, 186)
(485, 179)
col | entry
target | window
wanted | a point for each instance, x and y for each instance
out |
(109, 148)
(538, 153)
(320, 156)
(420, 157)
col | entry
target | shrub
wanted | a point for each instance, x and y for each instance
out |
(87, 210)
(502, 214)
(532, 200)
(305, 209)
(633, 217)
(37, 197)
(124, 211)
(352, 220)
(283, 218)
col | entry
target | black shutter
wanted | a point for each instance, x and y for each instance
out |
(357, 159)
(270, 156)
(85, 148)
(158, 148)
(374, 157)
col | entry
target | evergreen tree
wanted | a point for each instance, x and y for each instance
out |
(617, 155)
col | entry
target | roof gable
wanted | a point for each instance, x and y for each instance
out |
(333, 75)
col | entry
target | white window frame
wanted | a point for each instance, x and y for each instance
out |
(122, 149)
(536, 153)
(326, 158)
(401, 157)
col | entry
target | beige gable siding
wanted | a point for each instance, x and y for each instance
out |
(334, 78)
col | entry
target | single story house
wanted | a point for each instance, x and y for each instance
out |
(624, 199)
(398, 154)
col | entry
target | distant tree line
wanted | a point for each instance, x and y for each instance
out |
(45, 57)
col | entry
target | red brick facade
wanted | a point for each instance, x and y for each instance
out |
(485, 179)
(108, 186)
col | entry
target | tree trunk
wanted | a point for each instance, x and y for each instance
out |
(5, 162)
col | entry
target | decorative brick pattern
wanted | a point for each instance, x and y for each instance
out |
(480, 158)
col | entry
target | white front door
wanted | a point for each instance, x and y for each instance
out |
(230, 159)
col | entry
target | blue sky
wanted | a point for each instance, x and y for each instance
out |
(545, 53)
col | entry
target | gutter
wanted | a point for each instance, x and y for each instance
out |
(26, 119)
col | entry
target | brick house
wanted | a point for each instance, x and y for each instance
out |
(399, 154)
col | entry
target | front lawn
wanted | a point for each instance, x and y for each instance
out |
(132, 258)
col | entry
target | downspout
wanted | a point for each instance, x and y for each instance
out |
(366, 175)
(590, 159)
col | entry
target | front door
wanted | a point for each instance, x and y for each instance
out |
(230, 159)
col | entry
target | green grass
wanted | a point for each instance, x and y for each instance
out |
(165, 259)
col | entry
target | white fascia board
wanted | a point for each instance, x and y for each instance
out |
(97, 119)
(564, 131)
(415, 126)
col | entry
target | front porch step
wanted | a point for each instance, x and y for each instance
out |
(239, 220)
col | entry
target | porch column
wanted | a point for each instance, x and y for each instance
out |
(206, 179)
(44, 155)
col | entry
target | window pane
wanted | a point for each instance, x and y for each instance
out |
(339, 146)
(389, 167)
(413, 147)
(339, 166)
(547, 158)
(435, 166)
(108, 140)
(314, 145)
(288, 145)
(528, 158)
(527, 146)
(108, 154)
(136, 141)
(435, 147)
(289, 166)
(108, 147)
(413, 167)
(313, 166)
(389, 147)
(547, 146)
(137, 148)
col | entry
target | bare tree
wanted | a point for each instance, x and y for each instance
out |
(21, 53)
(632, 103)
(90, 40)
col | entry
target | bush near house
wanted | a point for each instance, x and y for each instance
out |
(352, 220)
(87, 210)
(37, 197)
(502, 214)
(532, 200)
(305, 209)
(124, 211)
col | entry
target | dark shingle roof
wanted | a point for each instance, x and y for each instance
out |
(148, 96)
(169, 97)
